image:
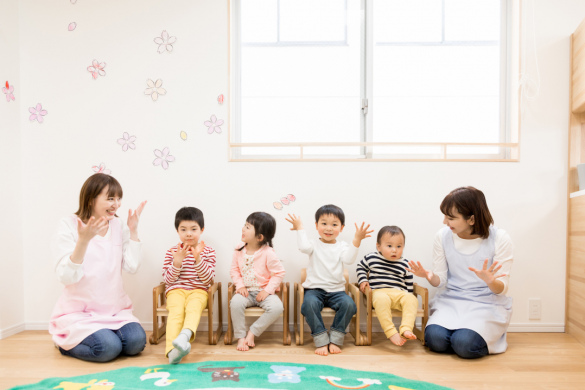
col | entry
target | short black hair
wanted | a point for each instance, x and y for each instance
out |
(392, 231)
(189, 214)
(469, 202)
(330, 209)
(264, 224)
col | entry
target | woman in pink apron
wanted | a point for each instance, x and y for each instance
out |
(472, 261)
(93, 319)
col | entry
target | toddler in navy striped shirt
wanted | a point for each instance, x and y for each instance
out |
(386, 273)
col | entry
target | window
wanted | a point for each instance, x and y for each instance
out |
(373, 80)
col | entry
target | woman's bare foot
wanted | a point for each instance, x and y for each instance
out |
(334, 348)
(323, 351)
(408, 335)
(397, 339)
(242, 345)
(250, 339)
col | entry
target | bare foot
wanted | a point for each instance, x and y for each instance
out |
(408, 335)
(323, 351)
(334, 348)
(397, 339)
(242, 345)
(250, 339)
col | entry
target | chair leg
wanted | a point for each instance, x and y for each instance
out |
(227, 340)
(219, 330)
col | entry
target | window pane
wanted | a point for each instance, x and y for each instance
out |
(407, 21)
(472, 20)
(312, 20)
(259, 21)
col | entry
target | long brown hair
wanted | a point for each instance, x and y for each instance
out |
(469, 202)
(90, 190)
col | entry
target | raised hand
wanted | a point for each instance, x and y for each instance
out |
(488, 275)
(93, 227)
(133, 218)
(361, 233)
(179, 254)
(363, 286)
(261, 296)
(297, 224)
(197, 251)
(418, 270)
(243, 291)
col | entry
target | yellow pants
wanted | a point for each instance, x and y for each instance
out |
(185, 308)
(386, 299)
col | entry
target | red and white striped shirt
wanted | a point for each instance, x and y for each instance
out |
(191, 275)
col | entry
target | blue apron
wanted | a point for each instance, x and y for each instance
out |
(467, 302)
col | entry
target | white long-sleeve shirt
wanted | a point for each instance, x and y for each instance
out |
(64, 243)
(504, 255)
(325, 270)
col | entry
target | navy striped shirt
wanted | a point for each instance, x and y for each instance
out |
(382, 273)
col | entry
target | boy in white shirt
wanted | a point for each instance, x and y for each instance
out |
(325, 284)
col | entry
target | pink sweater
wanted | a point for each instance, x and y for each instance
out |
(267, 268)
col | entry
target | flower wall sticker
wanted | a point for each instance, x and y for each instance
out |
(163, 158)
(101, 169)
(37, 113)
(154, 89)
(97, 69)
(71, 26)
(220, 99)
(214, 125)
(285, 200)
(8, 90)
(183, 136)
(127, 141)
(165, 42)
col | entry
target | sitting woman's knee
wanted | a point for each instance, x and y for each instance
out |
(437, 338)
(468, 344)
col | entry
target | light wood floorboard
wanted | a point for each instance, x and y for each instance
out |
(533, 360)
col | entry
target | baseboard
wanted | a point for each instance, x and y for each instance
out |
(4, 333)
(536, 328)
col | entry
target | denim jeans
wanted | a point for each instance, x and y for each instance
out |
(466, 343)
(314, 301)
(105, 344)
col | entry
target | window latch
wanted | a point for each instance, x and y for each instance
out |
(365, 106)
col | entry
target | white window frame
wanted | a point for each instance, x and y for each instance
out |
(509, 101)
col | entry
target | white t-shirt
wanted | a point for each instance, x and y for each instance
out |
(504, 255)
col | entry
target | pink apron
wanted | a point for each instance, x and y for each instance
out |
(98, 300)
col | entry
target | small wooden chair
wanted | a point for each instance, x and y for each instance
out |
(160, 313)
(422, 313)
(327, 312)
(257, 312)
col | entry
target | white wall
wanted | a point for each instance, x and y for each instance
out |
(86, 117)
(11, 253)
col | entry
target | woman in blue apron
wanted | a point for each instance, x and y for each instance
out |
(471, 261)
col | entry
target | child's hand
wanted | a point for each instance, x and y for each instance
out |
(296, 222)
(418, 270)
(179, 255)
(363, 286)
(243, 291)
(361, 233)
(197, 251)
(93, 227)
(261, 296)
(488, 275)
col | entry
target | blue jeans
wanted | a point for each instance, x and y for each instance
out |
(464, 342)
(105, 344)
(315, 300)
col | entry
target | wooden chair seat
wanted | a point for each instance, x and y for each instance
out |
(256, 311)
(160, 313)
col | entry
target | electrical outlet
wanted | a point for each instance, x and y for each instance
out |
(534, 309)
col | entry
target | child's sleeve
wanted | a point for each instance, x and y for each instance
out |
(236, 273)
(170, 273)
(277, 272)
(206, 268)
(349, 253)
(305, 246)
(362, 270)
(408, 279)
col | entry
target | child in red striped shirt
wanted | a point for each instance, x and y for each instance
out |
(188, 271)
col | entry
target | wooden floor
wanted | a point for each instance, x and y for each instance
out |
(533, 360)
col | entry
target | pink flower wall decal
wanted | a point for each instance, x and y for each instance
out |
(214, 125)
(127, 141)
(101, 169)
(154, 89)
(285, 200)
(8, 90)
(97, 69)
(220, 99)
(165, 42)
(37, 113)
(72, 26)
(163, 158)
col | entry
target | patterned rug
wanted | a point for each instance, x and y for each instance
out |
(246, 375)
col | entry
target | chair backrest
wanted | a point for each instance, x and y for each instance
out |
(304, 276)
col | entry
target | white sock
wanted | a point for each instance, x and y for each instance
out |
(183, 342)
